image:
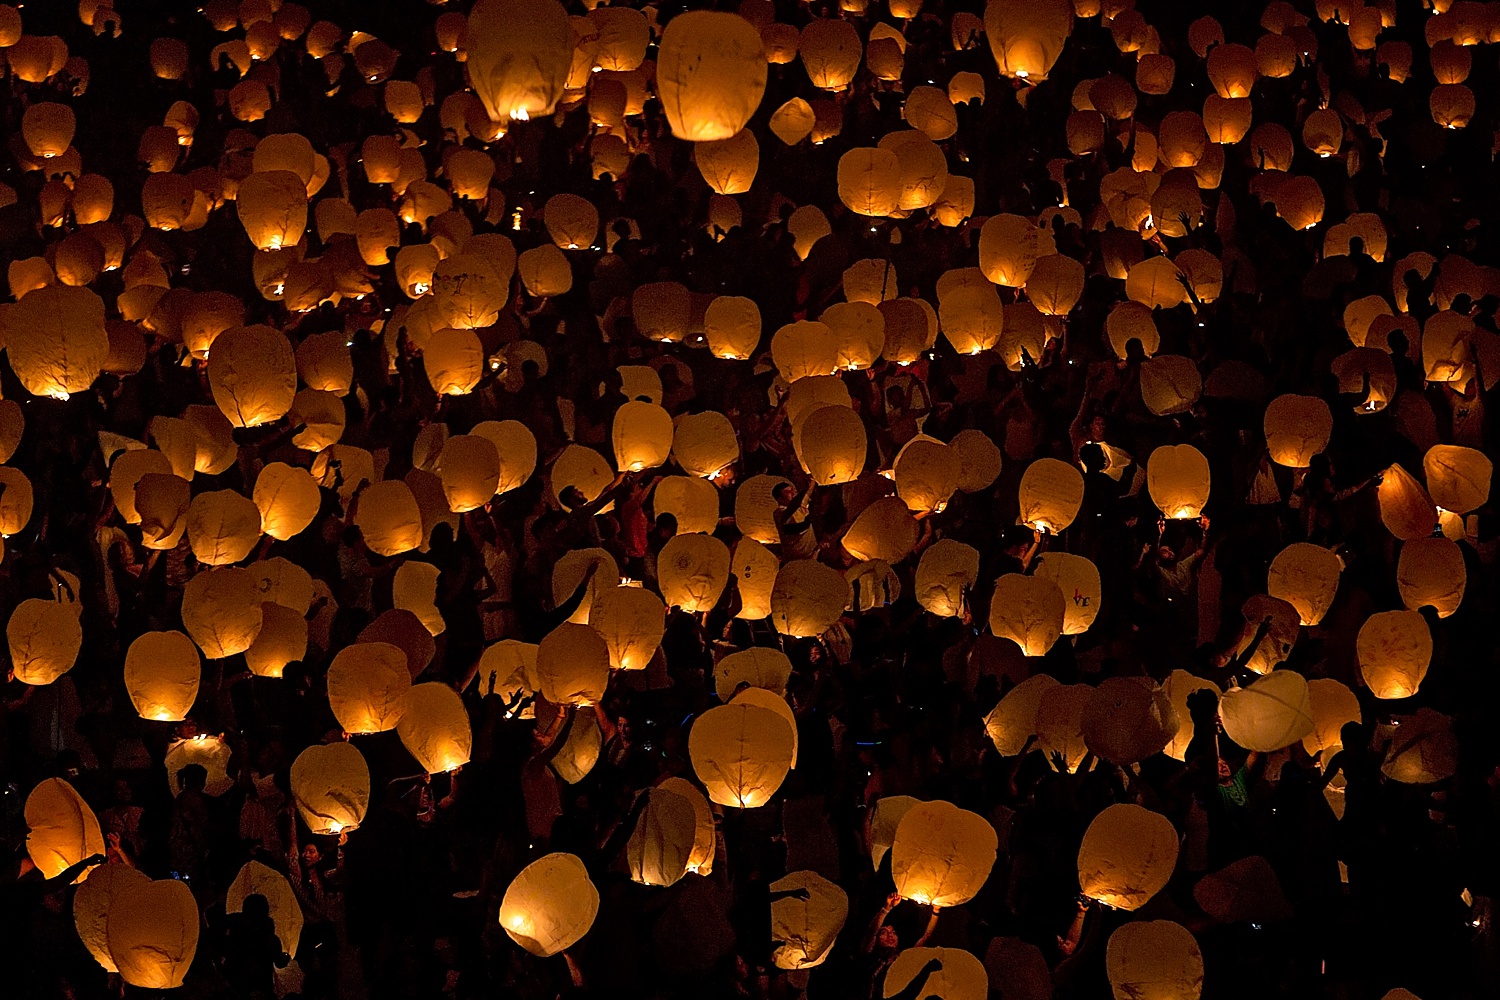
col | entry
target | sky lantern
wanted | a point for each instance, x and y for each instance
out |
(286, 912)
(642, 436)
(631, 620)
(550, 905)
(1127, 856)
(1129, 719)
(44, 638)
(92, 902)
(152, 933)
(519, 53)
(331, 788)
(1430, 571)
(1159, 959)
(162, 671)
(1297, 428)
(808, 598)
(435, 727)
(947, 570)
(61, 829)
(1051, 493)
(741, 753)
(1027, 38)
(693, 570)
(1273, 712)
(1306, 576)
(805, 922)
(710, 74)
(660, 848)
(942, 855)
(368, 684)
(955, 975)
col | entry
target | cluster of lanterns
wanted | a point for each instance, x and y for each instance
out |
(526, 64)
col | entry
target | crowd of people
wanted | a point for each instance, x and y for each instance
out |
(1359, 884)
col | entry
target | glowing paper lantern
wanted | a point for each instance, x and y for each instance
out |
(1128, 719)
(1059, 724)
(61, 829)
(1127, 856)
(253, 375)
(516, 446)
(661, 845)
(550, 905)
(808, 598)
(287, 497)
(941, 854)
(1333, 706)
(1405, 508)
(807, 923)
(222, 527)
(470, 470)
(642, 436)
(435, 727)
(710, 74)
(704, 444)
(1028, 610)
(1051, 493)
(1027, 38)
(1156, 959)
(760, 667)
(519, 54)
(1423, 751)
(92, 902)
(885, 531)
(1297, 428)
(692, 571)
(56, 340)
(368, 685)
(162, 671)
(331, 787)
(1394, 650)
(1012, 722)
(741, 753)
(831, 443)
(44, 639)
(631, 620)
(947, 570)
(572, 665)
(286, 912)
(1179, 685)
(272, 206)
(927, 473)
(208, 752)
(870, 181)
(1431, 572)
(830, 51)
(388, 517)
(1273, 712)
(1177, 477)
(1458, 478)
(152, 933)
(955, 975)
(1307, 577)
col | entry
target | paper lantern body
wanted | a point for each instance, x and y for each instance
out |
(1082, 590)
(61, 829)
(572, 665)
(162, 670)
(957, 975)
(1307, 577)
(1178, 686)
(1128, 719)
(1059, 723)
(806, 926)
(832, 443)
(56, 340)
(1394, 650)
(1027, 38)
(692, 571)
(701, 860)
(368, 685)
(152, 933)
(760, 667)
(1431, 572)
(435, 727)
(1423, 751)
(1028, 610)
(44, 638)
(550, 905)
(1458, 478)
(732, 326)
(272, 206)
(808, 598)
(286, 912)
(1127, 856)
(642, 436)
(741, 753)
(331, 787)
(661, 845)
(519, 54)
(631, 620)
(1051, 493)
(288, 499)
(388, 517)
(1154, 960)
(1297, 428)
(927, 473)
(1177, 477)
(1273, 712)
(209, 752)
(883, 531)
(947, 569)
(92, 902)
(222, 527)
(942, 854)
(1405, 507)
(1333, 705)
(710, 74)
(704, 444)
(1013, 721)
(252, 372)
